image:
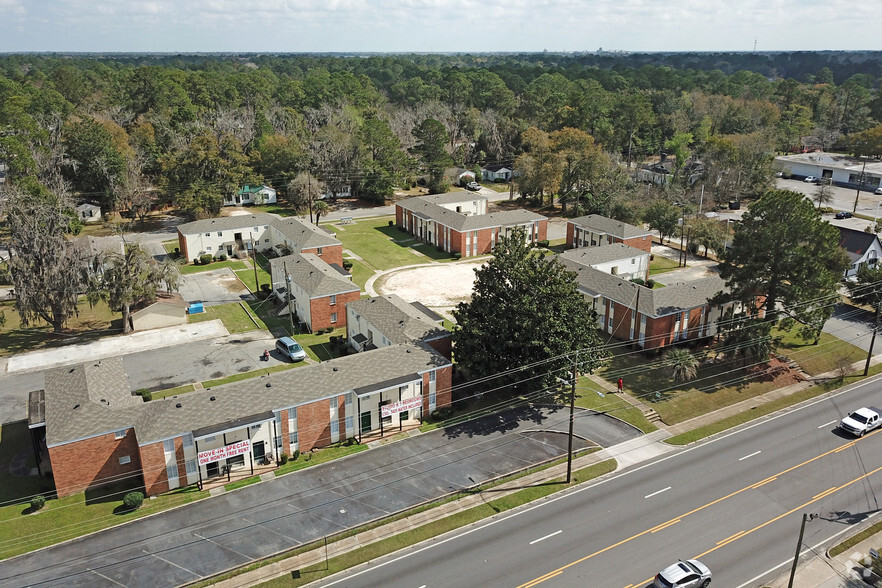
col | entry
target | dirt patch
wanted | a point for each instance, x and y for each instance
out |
(442, 284)
(777, 371)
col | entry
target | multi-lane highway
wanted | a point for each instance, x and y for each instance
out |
(734, 502)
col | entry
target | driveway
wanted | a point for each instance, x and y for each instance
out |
(221, 533)
(220, 286)
(854, 325)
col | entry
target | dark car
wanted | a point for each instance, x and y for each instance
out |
(843, 214)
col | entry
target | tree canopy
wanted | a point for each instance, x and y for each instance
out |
(524, 321)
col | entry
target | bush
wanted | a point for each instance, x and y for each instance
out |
(283, 459)
(144, 393)
(638, 281)
(542, 243)
(222, 257)
(650, 283)
(391, 223)
(457, 255)
(347, 265)
(196, 261)
(38, 502)
(133, 500)
(295, 455)
(205, 258)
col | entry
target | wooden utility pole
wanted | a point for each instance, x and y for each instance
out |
(288, 293)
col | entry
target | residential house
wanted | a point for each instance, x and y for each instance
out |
(617, 259)
(89, 212)
(594, 230)
(652, 319)
(861, 247)
(258, 195)
(96, 431)
(458, 222)
(389, 320)
(234, 236)
(494, 173)
(319, 292)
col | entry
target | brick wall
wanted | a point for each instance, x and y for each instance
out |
(643, 243)
(321, 309)
(330, 254)
(313, 425)
(571, 233)
(182, 245)
(457, 242)
(442, 345)
(153, 467)
(92, 462)
(443, 393)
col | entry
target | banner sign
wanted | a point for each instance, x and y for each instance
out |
(232, 450)
(401, 406)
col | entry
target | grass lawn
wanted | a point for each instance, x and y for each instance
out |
(611, 404)
(432, 252)
(375, 242)
(173, 391)
(821, 358)
(170, 246)
(661, 264)
(305, 460)
(89, 324)
(496, 186)
(233, 264)
(360, 273)
(62, 518)
(234, 317)
(247, 277)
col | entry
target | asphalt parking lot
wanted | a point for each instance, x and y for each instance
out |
(208, 537)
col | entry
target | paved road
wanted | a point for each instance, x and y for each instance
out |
(735, 502)
(201, 539)
(166, 367)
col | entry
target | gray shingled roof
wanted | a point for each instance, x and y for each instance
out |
(312, 274)
(673, 298)
(426, 207)
(608, 226)
(163, 419)
(603, 254)
(302, 234)
(397, 320)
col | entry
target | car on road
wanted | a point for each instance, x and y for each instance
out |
(810, 179)
(473, 186)
(290, 349)
(843, 214)
(878, 191)
(861, 421)
(689, 573)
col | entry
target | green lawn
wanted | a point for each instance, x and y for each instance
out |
(821, 358)
(496, 186)
(234, 317)
(233, 264)
(360, 273)
(611, 404)
(247, 278)
(432, 252)
(64, 518)
(377, 243)
(90, 323)
(305, 460)
(661, 264)
(170, 246)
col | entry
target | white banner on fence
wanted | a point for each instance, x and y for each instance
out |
(227, 451)
(401, 406)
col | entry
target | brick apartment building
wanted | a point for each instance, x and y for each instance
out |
(389, 320)
(595, 230)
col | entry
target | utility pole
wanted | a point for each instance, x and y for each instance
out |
(309, 193)
(288, 293)
(873, 339)
(572, 407)
(254, 261)
(805, 518)
(857, 192)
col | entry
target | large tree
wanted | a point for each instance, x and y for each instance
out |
(662, 216)
(524, 321)
(127, 279)
(47, 269)
(785, 262)
(431, 150)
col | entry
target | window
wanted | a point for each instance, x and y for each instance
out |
(255, 229)
(610, 324)
(318, 250)
(266, 240)
(208, 234)
(188, 440)
(432, 376)
(335, 426)
(208, 248)
(279, 441)
(119, 434)
(265, 227)
(168, 445)
(292, 413)
(125, 459)
(172, 471)
(333, 299)
(333, 317)
(432, 400)
(292, 437)
(220, 233)
(350, 423)
(191, 466)
(209, 439)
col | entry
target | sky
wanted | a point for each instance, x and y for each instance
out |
(346, 26)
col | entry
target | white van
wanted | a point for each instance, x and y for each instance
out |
(290, 349)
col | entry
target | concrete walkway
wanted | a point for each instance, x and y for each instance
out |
(821, 571)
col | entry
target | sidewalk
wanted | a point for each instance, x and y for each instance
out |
(818, 572)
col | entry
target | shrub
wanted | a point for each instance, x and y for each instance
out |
(144, 393)
(133, 500)
(196, 261)
(542, 243)
(177, 251)
(638, 281)
(457, 255)
(283, 459)
(347, 265)
(295, 455)
(222, 257)
(650, 283)
(205, 258)
(38, 502)
(391, 223)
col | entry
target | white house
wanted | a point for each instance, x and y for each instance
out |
(862, 249)
(496, 172)
(88, 212)
(616, 259)
(251, 195)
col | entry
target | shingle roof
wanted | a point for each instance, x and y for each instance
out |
(603, 254)
(397, 320)
(312, 274)
(608, 226)
(427, 208)
(303, 235)
(856, 243)
(162, 419)
(673, 298)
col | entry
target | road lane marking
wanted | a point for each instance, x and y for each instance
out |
(665, 525)
(751, 455)
(731, 537)
(824, 493)
(561, 569)
(828, 424)
(846, 446)
(657, 492)
(171, 563)
(97, 573)
(558, 532)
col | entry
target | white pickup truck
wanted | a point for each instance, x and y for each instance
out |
(862, 421)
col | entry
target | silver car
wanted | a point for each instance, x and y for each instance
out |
(689, 573)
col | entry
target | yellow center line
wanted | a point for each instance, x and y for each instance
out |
(665, 526)
(561, 569)
(731, 537)
(764, 482)
(824, 493)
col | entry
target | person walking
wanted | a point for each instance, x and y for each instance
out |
(621, 385)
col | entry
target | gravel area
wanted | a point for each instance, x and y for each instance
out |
(437, 285)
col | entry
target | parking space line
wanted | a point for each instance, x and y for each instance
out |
(171, 563)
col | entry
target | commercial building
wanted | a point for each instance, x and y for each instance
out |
(842, 170)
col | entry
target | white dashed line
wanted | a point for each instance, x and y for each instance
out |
(751, 455)
(558, 532)
(658, 492)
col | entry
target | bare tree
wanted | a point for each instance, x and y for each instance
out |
(127, 279)
(823, 194)
(48, 271)
(303, 190)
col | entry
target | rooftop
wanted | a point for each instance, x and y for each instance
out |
(397, 320)
(603, 254)
(608, 226)
(312, 274)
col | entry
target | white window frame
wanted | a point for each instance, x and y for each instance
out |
(120, 434)
(123, 460)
